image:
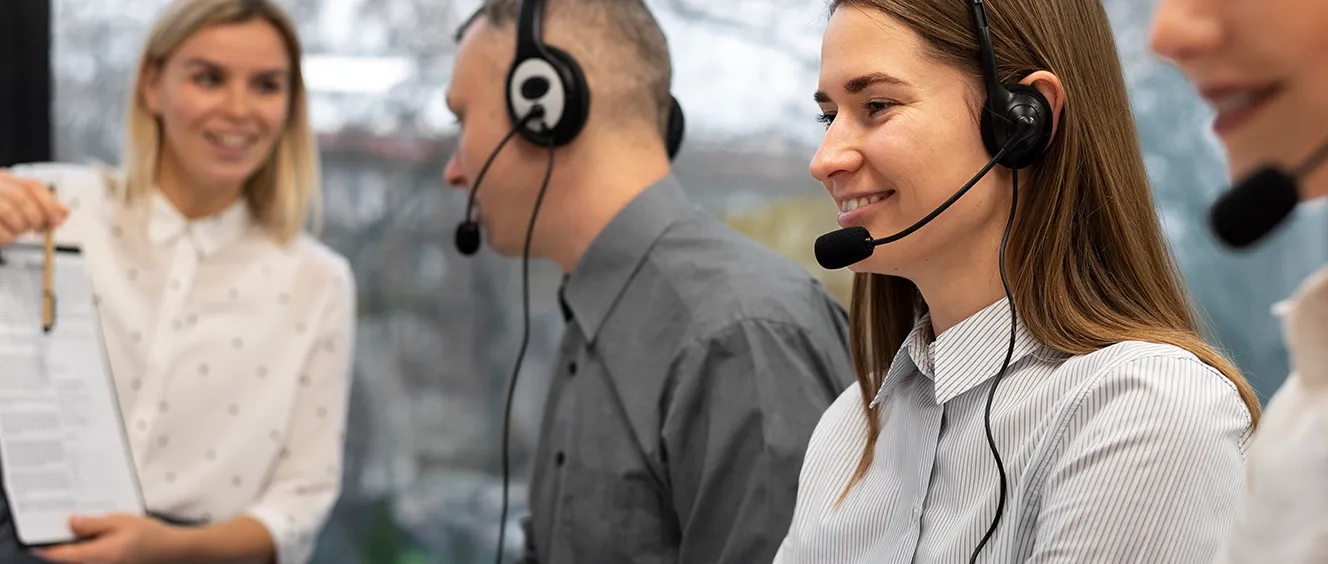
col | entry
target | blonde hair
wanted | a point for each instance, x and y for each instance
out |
(1088, 265)
(283, 194)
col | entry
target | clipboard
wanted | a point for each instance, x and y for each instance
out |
(64, 449)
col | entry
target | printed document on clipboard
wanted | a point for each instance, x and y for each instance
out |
(63, 448)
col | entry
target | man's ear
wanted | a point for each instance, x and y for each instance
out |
(1051, 88)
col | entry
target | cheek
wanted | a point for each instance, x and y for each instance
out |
(273, 112)
(1288, 39)
(918, 160)
(187, 108)
(927, 163)
(1316, 75)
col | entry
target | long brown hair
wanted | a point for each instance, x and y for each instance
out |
(1088, 265)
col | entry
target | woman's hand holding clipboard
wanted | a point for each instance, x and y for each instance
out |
(27, 205)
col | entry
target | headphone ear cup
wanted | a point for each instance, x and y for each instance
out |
(576, 96)
(1024, 103)
(676, 128)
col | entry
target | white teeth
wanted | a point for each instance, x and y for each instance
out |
(855, 203)
(232, 141)
(1233, 102)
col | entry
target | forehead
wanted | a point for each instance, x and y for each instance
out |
(478, 57)
(254, 44)
(859, 41)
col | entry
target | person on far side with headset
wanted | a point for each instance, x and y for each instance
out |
(1032, 386)
(228, 328)
(1263, 65)
(695, 362)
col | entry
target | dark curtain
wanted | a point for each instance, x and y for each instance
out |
(25, 81)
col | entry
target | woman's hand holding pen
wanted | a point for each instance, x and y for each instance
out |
(26, 205)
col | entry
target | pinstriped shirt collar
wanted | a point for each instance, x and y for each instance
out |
(966, 355)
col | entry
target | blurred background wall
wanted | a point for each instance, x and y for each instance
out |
(438, 332)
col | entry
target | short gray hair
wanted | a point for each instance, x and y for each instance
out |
(644, 72)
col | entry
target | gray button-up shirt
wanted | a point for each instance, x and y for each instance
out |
(694, 368)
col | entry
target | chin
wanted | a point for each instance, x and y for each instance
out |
(228, 174)
(1314, 188)
(503, 246)
(878, 263)
(507, 251)
(1238, 169)
(860, 268)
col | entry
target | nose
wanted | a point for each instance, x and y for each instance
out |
(452, 173)
(1185, 29)
(838, 153)
(238, 102)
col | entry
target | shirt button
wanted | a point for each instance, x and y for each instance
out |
(559, 458)
(571, 368)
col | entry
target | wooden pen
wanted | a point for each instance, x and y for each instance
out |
(48, 279)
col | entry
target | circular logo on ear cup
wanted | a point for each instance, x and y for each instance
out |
(535, 81)
(534, 87)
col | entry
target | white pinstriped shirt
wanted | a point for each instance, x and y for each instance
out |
(1133, 453)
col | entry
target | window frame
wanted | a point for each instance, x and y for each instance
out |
(26, 80)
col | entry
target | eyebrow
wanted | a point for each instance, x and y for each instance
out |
(198, 61)
(858, 84)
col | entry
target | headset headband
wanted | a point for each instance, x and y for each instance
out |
(529, 35)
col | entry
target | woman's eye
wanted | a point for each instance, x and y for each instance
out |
(875, 107)
(207, 79)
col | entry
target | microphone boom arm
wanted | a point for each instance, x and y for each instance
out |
(955, 198)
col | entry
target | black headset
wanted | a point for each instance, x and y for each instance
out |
(548, 102)
(545, 76)
(1016, 127)
(1011, 109)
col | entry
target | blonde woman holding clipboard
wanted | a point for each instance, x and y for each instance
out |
(228, 329)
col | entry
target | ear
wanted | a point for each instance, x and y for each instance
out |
(150, 89)
(1051, 88)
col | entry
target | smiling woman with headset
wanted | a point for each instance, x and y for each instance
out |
(1263, 65)
(1032, 386)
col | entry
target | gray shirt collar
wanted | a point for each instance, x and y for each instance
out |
(604, 271)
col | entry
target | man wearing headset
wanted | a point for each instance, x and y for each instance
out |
(695, 362)
(1263, 65)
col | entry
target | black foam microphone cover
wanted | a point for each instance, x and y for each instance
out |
(468, 237)
(1255, 207)
(838, 249)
